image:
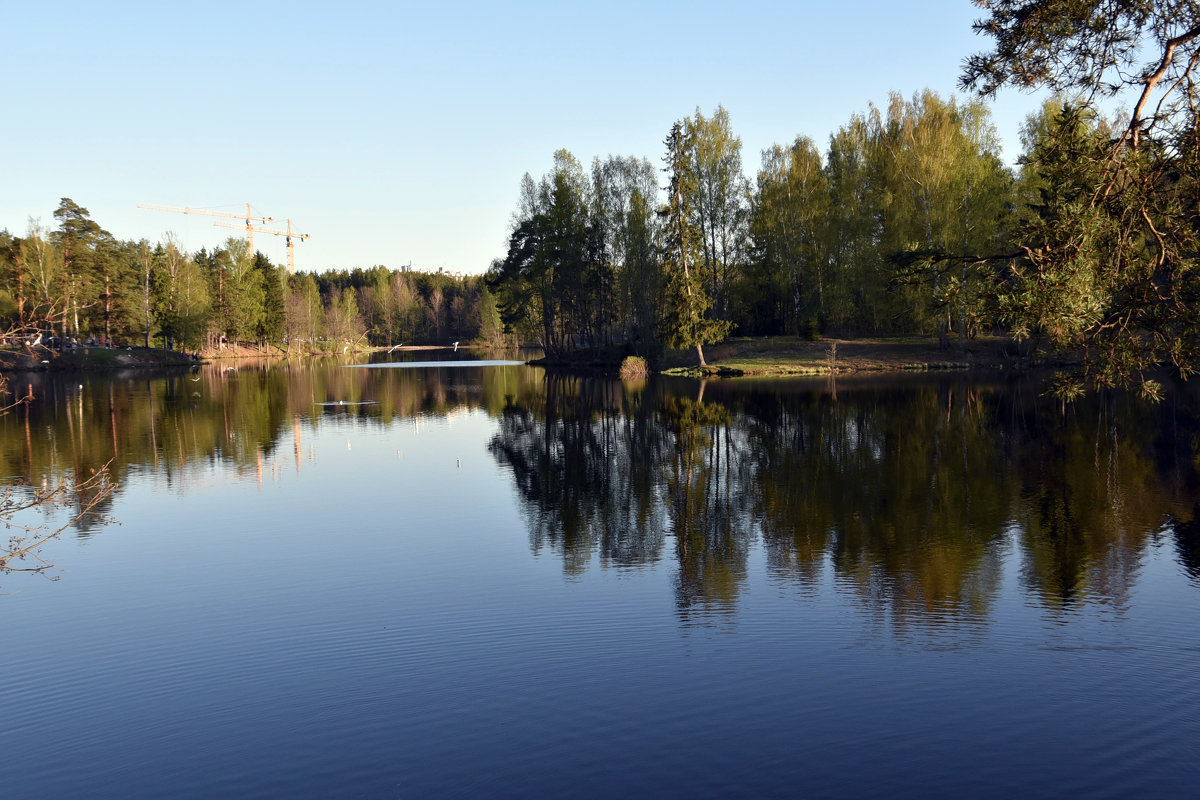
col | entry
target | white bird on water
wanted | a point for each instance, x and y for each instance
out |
(395, 346)
(456, 347)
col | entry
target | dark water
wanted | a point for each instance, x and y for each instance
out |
(472, 581)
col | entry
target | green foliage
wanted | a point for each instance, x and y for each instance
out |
(556, 283)
(686, 322)
(491, 326)
(788, 226)
(855, 296)
(1109, 252)
(908, 222)
(271, 322)
(245, 292)
(946, 200)
(78, 278)
(717, 202)
(891, 232)
(1110, 241)
(624, 203)
(82, 243)
(179, 296)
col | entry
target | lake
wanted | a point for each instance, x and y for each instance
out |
(458, 579)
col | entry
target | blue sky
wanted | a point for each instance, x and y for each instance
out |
(397, 133)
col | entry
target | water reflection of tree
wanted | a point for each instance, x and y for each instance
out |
(903, 492)
(174, 425)
(711, 532)
(911, 495)
(1096, 490)
(1187, 544)
(574, 458)
(86, 495)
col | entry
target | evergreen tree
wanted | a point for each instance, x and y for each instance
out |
(79, 238)
(687, 323)
(271, 322)
(1109, 256)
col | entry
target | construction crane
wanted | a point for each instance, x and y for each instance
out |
(248, 217)
(289, 233)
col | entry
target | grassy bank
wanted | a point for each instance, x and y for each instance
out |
(89, 359)
(793, 356)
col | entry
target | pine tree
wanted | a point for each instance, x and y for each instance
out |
(687, 322)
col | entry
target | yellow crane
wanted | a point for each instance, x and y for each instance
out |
(248, 217)
(289, 233)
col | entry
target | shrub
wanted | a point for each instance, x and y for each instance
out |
(634, 367)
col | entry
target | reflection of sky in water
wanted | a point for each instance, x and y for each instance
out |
(435, 364)
(412, 476)
(373, 621)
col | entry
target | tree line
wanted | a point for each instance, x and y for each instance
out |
(604, 256)
(908, 222)
(76, 279)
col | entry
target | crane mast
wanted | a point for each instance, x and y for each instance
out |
(289, 233)
(248, 217)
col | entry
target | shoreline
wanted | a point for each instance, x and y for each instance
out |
(739, 357)
(792, 356)
(101, 359)
(90, 359)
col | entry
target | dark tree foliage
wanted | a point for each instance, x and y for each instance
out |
(86, 273)
(271, 321)
(1110, 254)
(688, 322)
(556, 285)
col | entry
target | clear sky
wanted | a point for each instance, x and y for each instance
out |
(397, 133)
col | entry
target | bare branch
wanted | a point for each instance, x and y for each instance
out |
(1152, 80)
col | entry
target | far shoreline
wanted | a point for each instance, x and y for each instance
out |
(736, 357)
(778, 356)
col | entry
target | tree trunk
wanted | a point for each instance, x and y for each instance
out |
(20, 293)
(107, 310)
(962, 290)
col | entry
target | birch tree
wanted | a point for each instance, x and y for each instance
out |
(718, 204)
(788, 223)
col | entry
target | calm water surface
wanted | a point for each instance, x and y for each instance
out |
(470, 580)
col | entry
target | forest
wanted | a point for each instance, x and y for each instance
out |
(803, 250)
(806, 249)
(907, 221)
(77, 279)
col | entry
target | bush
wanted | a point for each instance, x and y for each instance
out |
(634, 367)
